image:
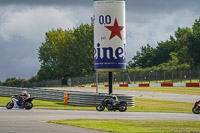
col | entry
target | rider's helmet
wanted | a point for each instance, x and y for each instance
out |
(114, 97)
(24, 93)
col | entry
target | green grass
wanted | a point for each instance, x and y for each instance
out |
(39, 104)
(154, 105)
(135, 126)
(142, 105)
(4, 101)
(172, 90)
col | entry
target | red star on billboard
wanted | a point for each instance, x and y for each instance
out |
(115, 30)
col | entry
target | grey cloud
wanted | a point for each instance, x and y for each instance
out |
(148, 21)
(23, 30)
(47, 2)
(159, 6)
(132, 5)
(18, 58)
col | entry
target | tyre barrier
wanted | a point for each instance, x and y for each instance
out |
(68, 97)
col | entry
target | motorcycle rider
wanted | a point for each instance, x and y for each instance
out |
(23, 96)
(115, 99)
(196, 107)
(199, 103)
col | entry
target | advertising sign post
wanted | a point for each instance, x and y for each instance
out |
(109, 37)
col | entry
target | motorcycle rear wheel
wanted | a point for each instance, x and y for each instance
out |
(10, 105)
(28, 105)
(100, 107)
(195, 110)
(122, 108)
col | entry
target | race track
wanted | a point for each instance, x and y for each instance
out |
(35, 120)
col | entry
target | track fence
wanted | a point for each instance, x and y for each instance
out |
(179, 76)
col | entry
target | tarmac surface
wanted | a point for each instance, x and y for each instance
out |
(35, 120)
(142, 94)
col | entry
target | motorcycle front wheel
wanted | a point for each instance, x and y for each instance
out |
(100, 107)
(28, 105)
(122, 107)
(196, 110)
(10, 105)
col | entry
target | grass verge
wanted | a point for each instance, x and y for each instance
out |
(142, 105)
(173, 90)
(135, 126)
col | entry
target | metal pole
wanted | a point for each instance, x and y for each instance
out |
(181, 76)
(156, 77)
(134, 78)
(164, 76)
(96, 82)
(199, 75)
(110, 83)
(190, 77)
(103, 79)
(149, 77)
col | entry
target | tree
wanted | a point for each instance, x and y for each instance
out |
(194, 44)
(67, 53)
(181, 45)
(14, 82)
(82, 58)
(185, 43)
(163, 51)
(144, 58)
(33, 79)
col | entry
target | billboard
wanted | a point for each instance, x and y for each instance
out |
(109, 35)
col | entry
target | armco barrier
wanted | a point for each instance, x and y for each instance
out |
(68, 97)
(93, 99)
(38, 93)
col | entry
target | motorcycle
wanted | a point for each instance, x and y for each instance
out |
(196, 108)
(15, 103)
(111, 104)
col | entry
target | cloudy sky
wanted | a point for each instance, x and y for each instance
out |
(23, 24)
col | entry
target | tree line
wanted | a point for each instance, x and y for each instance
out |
(181, 51)
(18, 81)
(69, 53)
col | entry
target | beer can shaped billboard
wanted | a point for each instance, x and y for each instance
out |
(109, 35)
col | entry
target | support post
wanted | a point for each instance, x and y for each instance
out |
(110, 83)
(96, 82)
(199, 75)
